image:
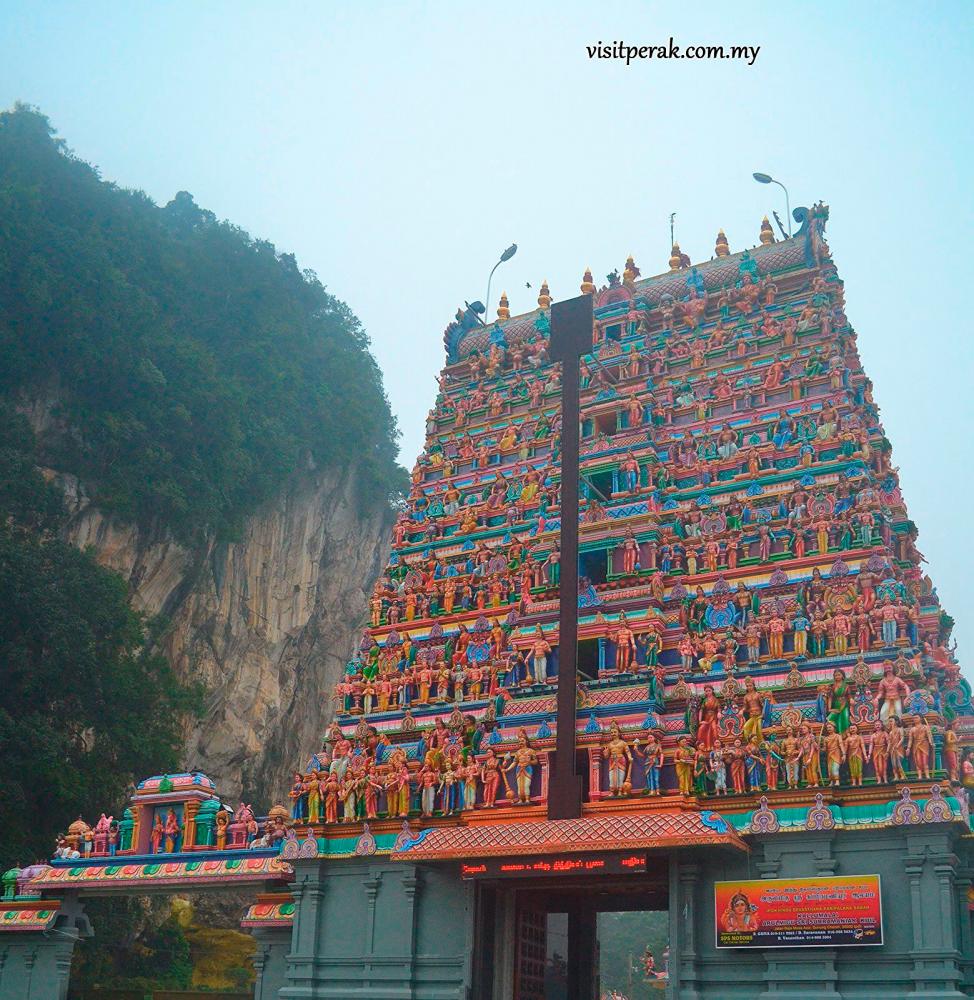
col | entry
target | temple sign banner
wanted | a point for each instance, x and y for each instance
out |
(799, 913)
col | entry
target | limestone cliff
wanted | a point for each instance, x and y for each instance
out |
(265, 623)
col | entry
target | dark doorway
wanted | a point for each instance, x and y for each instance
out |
(573, 940)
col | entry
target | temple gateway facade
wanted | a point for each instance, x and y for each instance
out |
(768, 731)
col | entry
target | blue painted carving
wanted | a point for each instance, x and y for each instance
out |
(714, 821)
(407, 845)
(478, 652)
(466, 320)
(589, 598)
(723, 617)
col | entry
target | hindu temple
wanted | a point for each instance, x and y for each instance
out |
(771, 731)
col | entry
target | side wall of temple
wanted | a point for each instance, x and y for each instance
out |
(926, 922)
(379, 929)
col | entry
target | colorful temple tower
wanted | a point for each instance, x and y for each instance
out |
(772, 730)
(750, 582)
(766, 687)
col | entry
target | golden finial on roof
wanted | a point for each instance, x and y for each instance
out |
(631, 273)
(588, 285)
(676, 257)
(721, 249)
(544, 296)
(504, 309)
(767, 233)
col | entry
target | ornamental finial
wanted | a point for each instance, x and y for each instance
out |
(721, 248)
(504, 308)
(631, 273)
(588, 285)
(544, 296)
(676, 258)
(767, 233)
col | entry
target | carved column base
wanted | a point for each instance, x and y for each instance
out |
(800, 974)
(936, 976)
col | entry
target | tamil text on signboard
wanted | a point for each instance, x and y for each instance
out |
(558, 864)
(799, 912)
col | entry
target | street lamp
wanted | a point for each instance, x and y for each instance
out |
(506, 255)
(768, 179)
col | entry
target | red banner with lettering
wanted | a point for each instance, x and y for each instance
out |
(799, 912)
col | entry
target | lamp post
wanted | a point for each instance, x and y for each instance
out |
(506, 255)
(768, 179)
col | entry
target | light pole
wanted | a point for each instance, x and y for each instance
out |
(506, 255)
(768, 179)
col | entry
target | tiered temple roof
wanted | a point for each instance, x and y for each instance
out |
(749, 570)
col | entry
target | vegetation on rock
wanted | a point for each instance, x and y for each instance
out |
(86, 705)
(193, 368)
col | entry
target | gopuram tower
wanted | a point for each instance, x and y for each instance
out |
(765, 684)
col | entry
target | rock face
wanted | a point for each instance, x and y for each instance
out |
(265, 623)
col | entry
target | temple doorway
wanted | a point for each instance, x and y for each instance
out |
(577, 940)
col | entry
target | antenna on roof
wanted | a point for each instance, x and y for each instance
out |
(672, 237)
(777, 218)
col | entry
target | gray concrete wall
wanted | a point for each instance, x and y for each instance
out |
(927, 926)
(386, 931)
(270, 961)
(379, 930)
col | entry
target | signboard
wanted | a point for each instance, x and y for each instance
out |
(555, 864)
(799, 912)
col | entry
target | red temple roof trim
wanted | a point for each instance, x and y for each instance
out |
(646, 831)
(32, 915)
(270, 910)
(117, 874)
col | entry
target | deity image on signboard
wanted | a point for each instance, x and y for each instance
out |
(740, 914)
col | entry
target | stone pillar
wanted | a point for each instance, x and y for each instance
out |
(371, 886)
(411, 884)
(684, 882)
(505, 938)
(931, 868)
(189, 825)
(36, 965)
(595, 774)
(270, 960)
(308, 891)
(544, 763)
(964, 879)
(800, 974)
(582, 943)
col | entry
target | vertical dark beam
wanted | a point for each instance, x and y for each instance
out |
(571, 337)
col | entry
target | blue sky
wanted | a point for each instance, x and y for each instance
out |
(398, 148)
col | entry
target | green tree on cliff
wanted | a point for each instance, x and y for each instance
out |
(84, 705)
(190, 369)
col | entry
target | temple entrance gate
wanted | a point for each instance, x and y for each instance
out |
(535, 940)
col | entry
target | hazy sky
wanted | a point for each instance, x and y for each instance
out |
(398, 148)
